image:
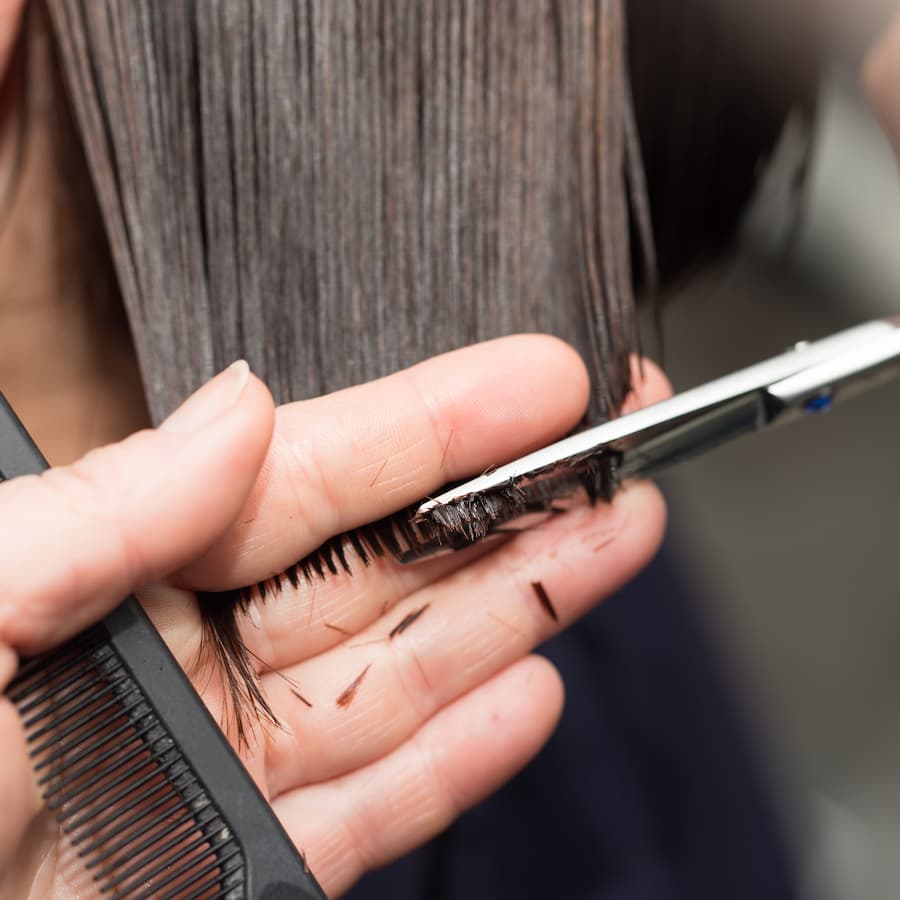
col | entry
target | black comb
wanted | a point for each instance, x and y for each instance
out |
(150, 796)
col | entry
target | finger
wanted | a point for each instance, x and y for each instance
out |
(366, 819)
(298, 622)
(367, 696)
(351, 457)
(21, 800)
(881, 76)
(79, 538)
(10, 20)
(650, 385)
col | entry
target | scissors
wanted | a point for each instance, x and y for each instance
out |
(806, 380)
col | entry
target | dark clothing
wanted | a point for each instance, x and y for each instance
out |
(648, 790)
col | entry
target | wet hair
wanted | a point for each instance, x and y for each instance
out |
(335, 190)
(338, 190)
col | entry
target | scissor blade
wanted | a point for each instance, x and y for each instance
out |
(699, 432)
(663, 432)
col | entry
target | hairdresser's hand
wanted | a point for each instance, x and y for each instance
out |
(403, 734)
(448, 709)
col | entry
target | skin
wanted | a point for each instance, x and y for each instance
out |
(881, 78)
(448, 711)
(230, 489)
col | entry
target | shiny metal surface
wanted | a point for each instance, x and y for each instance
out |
(806, 379)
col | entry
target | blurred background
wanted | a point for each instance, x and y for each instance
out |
(792, 539)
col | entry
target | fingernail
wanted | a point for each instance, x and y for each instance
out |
(213, 400)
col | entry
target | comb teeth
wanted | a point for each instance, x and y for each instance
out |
(129, 802)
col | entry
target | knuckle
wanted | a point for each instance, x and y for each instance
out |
(313, 497)
(417, 687)
(445, 798)
(363, 839)
(435, 431)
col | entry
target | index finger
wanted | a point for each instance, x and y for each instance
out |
(340, 461)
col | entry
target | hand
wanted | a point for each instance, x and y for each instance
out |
(216, 498)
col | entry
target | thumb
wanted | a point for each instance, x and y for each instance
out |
(76, 540)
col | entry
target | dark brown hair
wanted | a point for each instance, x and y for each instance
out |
(335, 190)
(338, 190)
